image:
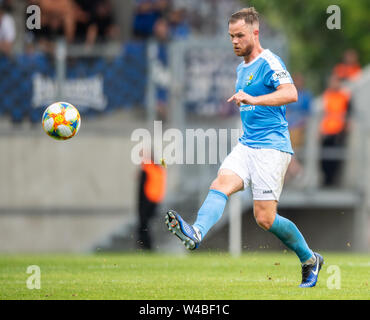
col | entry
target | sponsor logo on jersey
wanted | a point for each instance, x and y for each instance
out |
(247, 107)
(280, 75)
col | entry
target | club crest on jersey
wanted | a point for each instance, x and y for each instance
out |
(249, 80)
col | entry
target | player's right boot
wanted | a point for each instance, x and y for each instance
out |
(180, 228)
(310, 272)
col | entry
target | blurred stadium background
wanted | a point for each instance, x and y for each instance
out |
(125, 64)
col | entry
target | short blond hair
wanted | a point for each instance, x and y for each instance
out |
(249, 15)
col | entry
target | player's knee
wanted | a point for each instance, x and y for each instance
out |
(222, 184)
(227, 183)
(264, 223)
(264, 213)
(218, 185)
(264, 219)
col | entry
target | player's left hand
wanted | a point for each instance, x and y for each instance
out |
(242, 98)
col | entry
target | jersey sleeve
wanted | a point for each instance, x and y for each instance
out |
(275, 74)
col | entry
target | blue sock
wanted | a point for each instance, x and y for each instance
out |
(289, 234)
(210, 211)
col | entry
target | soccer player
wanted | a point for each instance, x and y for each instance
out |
(260, 159)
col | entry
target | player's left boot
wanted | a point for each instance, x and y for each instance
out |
(310, 272)
(184, 231)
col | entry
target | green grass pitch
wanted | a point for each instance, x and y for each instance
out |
(194, 276)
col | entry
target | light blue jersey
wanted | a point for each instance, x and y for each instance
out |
(263, 126)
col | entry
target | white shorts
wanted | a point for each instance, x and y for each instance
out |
(261, 169)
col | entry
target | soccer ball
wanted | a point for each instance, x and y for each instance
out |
(61, 120)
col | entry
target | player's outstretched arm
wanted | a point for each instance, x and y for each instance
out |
(284, 94)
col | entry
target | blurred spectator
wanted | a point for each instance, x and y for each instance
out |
(334, 125)
(78, 21)
(162, 6)
(147, 12)
(161, 31)
(102, 27)
(152, 188)
(100, 24)
(7, 30)
(297, 114)
(179, 26)
(30, 55)
(60, 18)
(7, 5)
(349, 68)
(162, 35)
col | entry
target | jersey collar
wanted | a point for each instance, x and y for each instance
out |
(255, 59)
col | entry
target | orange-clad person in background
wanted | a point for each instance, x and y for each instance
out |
(349, 69)
(336, 101)
(152, 189)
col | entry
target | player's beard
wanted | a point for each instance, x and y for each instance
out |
(246, 51)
